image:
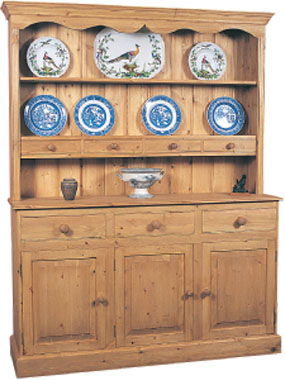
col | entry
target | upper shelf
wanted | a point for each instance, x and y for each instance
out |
(190, 82)
(132, 19)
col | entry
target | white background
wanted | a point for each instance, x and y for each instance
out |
(259, 367)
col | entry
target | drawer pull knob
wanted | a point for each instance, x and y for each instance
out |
(114, 146)
(64, 228)
(51, 147)
(241, 221)
(156, 224)
(172, 146)
(103, 301)
(188, 295)
(230, 146)
(205, 293)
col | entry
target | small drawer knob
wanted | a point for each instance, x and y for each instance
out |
(241, 221)
(51, 147)
(114, 146)
(64, 228)
(172, 146)
(230, 146)
(205, 293)
(156, 224)
(103, 301)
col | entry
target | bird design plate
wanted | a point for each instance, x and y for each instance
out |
(226, 116)
(45, 115)
(129, 55)
(94, 115)
(207, 61)
(161, 115)
(48, 57)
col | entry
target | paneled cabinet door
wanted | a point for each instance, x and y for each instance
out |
(238, 290)
(154, 294)
(64, 300)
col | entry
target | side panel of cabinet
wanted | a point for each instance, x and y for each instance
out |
(154, 294)
(238, 297)
(65, 300)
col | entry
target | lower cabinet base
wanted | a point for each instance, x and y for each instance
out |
(51, 364)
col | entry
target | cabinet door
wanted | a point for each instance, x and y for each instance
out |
(64, 300)
(238, 291)
(154, 294)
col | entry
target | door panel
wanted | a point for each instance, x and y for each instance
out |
(238, 295)
(151, 283)
(61, 301)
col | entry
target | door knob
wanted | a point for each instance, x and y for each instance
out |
(188, 295)
(103, 301)
(205, 293)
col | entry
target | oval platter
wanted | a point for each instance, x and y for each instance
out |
(48, 57)
(207, 61)
(45, 115)
(161, 115)
(226, 116)
(94, 115)
(129, 55)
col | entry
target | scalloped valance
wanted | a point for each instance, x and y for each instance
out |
(131, 19)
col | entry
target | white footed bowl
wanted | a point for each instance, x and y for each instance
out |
(141, 179)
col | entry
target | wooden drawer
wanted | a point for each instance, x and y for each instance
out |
(113, 147)
(155, 223)
(46, 147)
(172, 145)
(239, 218)
(237, 145)
(63, 226)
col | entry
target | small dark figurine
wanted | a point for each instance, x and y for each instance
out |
(240, 184)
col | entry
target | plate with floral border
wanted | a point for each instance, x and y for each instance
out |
(94, 115)
(161, 115)
(137, 55)
(45, 115)
(226, 116)
(48, 57)
(207, 61)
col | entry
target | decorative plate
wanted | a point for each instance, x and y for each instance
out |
(48, 57)
(161, 115)
(45, 115)
(129, 55)
(94, 115)
(226, 116)
(207, 61)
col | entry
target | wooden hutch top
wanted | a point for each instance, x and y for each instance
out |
(131, 19)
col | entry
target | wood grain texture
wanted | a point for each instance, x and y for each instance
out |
(134, 18)
(136, 356)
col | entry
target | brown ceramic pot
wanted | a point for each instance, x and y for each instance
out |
(69, 187)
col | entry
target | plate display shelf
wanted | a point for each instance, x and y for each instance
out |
(104, 251)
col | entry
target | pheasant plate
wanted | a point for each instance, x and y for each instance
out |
(94, 115)
(226, 116)
(207, 61)
(129, 55)
(45, 115)
(161, 115)
(48, 57)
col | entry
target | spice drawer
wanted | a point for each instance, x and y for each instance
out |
(113, 147)
(171, 145)
(34, 146)
(155, 223)
(239, 218)
(237, 145)
(63, 226)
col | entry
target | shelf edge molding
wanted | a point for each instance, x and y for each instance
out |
(132, 19)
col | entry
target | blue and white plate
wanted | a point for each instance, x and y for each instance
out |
(94, 115)
(226, 116)
(161, 115)
(45, 115)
